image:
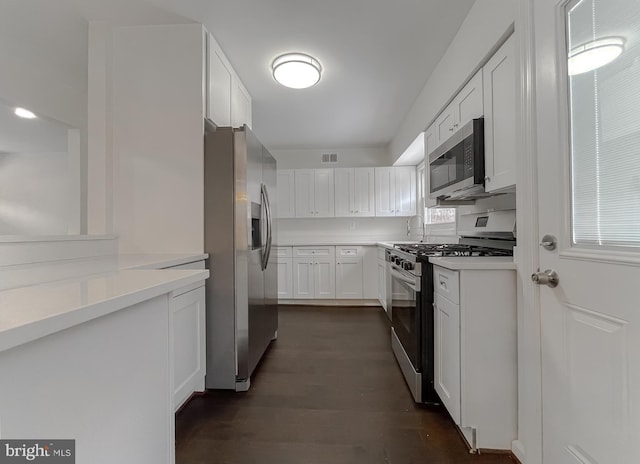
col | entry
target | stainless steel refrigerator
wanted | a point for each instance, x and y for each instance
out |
(242, 292)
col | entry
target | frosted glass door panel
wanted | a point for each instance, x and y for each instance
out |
(605, 124)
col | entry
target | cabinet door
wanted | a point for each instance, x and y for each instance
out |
(405, 191)
(285, 278)
(286, 193)
(324, 193)
(304, 193)
(303, 278)
(444, 125)
(499, 79)
(344, 192)
(219, 86)
(349, 273)
(385, 192)
(325, 278)
(447, 355)
(382, 283)
(370, 272)
(363, 188)
(429, 147)
(240, 104)
(468, 103)
(188, 325)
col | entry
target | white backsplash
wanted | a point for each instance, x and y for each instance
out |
(294, 231)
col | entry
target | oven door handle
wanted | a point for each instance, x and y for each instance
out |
(412, 283)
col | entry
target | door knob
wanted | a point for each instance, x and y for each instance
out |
(549, 278)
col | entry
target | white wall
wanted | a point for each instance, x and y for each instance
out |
(46, 70)
(335, 229)
(485, 26)
(34, 194)
(347, 158)
(328, 230)
(158, 138)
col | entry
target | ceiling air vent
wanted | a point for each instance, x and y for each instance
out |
(329, 158)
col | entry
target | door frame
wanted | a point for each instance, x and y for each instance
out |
(526, 255)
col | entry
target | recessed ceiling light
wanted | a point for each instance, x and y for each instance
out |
(296, 70)
(594, 54)
(23, 113)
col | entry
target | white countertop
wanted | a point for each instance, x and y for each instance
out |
(307, 243)
(29, 313)
(474, 262)
(157, 260)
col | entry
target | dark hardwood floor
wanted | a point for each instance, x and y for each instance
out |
(328, 391)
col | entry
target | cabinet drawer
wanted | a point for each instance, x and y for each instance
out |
(283, 252)
(313, 251)
(348, 251)
(446, 283)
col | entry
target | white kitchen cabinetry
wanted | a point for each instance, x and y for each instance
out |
(382, 279)
(354, 192)
(499, 79)
(349, 273)
(429, 145)
(314, 193)
(219, 85)
(286, 193)
(284, 263)
(228, 101)
(395, 191)
(314, 273)
(466, 106)
(475, 352)
(188, 342)
(370, 272)
(240, 103)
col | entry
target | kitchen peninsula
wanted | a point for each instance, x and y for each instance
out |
(92, 357)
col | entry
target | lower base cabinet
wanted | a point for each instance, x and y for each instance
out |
(341, 272)
(187, 309)
(314, 273)
(476, 353)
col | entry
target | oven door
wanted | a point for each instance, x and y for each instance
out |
(406, 312)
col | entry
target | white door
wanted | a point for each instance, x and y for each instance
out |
(363, 192)
(589, 198)
(285, 278)
(325, 277)
(447, 354)
(305, 193)
(468, 103)
(303, 278)
(344, 184)
(286, 193)
(324, 193)
(406, 191)
(385, 191)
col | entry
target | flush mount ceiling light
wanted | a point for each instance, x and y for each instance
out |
(296, 70)
(594, 54)
(23, 113)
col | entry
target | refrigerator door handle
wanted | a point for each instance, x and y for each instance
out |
(267, 203)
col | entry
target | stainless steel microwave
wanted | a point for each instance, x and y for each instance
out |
(456, 168)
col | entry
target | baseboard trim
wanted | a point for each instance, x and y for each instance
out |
(330, 302)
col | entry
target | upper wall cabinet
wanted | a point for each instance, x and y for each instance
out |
(499, 78)
(466, 106)
(286, 193)
(354, 192)
(395, 190)
(228, 101)
(314, 193)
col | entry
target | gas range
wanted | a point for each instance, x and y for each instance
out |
(422, 250)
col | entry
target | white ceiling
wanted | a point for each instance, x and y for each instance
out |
(376, 54)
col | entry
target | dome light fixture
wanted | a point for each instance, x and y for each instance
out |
(296, 70)
(24, 113)
(595, 54)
